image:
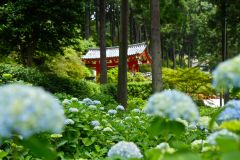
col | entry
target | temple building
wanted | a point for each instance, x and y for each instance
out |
(137, 55)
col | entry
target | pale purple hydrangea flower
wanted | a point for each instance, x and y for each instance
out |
(126, 150)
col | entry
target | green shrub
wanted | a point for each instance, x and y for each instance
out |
(189, 80)
(136, 77)
(109, 89)
(76, 88)
(136, 103)
(18, 72)
(68, 65)
(139, 89)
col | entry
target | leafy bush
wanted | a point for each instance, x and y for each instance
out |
(18, 72)
(136, 77)
(139, 89)
(76, 88)
(189, 80)
(68, 65)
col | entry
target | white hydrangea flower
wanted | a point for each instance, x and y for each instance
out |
(125, 150)
(128, 118)
(211, 139)
(184, 122)
(227, 74)
(74, 99)
(95, 123)
(163, 146)
(66, 102)
(198, 144)
(112, 111)
(101, 108)
(192, 126)
(98, 128)
(73, 110)
(96, 102)
(231, 111)
(69, 122)
(172, 104)
(107, 129)
(136, 110)
(92, 107)
(203, 122)
(120, 107)
(27, 110)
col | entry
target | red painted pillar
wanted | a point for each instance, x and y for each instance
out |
(97, 69)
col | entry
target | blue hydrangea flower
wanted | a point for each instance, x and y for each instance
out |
(69, 122)
(120, 107)
(96, 102)
(73, 110)
(231, 111)
(112, 111)
(95, 123)
(172, 104)
(211, 139)
(27, 110)
(87, 101)
(227, 74)
(125, 150)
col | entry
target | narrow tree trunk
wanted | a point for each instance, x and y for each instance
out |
(103, 64)
(112, 24)
(27, 55)
(224, 42)
(131, 30)
(155, 46)
(122, 66)
(96, 4)
(87, 20)
(174, 57)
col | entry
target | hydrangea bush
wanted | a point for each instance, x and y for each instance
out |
(27, 110)
(231, 111)
(172, 104)
(227, 74)
(125, 150)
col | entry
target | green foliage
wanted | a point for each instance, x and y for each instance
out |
(68, 65)
(76, 88)
(18, 72)
(189, 80)
(136, 102)
(139, 89)
(136, 77)
(45, 25)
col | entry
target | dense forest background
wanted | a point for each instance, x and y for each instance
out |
(34, 28)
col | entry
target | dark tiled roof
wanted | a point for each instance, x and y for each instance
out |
(94, 53)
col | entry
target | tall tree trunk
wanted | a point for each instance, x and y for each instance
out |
(96, 4)
(131, 30)
(87, 19)
(27, 52)
(122, 66)
(224, 41)
(103, 64)
(174, 57)
(112, 25)
(155, 49)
